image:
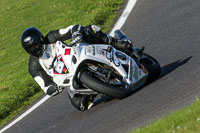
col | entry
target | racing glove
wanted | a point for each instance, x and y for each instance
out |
(76, 38)
(54, 90)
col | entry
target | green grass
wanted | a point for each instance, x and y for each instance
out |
(17, 88)
(185, 120)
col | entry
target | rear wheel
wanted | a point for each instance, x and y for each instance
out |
(152, 66)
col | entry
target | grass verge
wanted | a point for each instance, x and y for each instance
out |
(185, 120)
(17, 88)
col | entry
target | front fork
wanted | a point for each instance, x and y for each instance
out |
(136, 54)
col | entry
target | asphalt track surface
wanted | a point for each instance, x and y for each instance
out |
(169, 29)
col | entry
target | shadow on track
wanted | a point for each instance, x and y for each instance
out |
(172, 66)
(165, 70)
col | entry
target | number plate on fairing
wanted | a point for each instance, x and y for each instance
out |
(60, 67)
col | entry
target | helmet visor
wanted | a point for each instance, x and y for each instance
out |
(35, 50)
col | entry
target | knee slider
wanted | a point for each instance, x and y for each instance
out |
(95, 29)
(92, 29)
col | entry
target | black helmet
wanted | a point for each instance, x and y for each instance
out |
(33, 41)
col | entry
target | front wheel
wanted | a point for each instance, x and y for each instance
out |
(152, 66)
(101, 87)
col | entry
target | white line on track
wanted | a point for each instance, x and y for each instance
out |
(25, 113)
(118, 25)
(120, 22)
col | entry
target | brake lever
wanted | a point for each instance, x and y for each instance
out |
(141, 51)
(134, 52)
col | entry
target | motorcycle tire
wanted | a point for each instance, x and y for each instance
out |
(102, 87)
(152, 66)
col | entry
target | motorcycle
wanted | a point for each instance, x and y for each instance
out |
(87, 69)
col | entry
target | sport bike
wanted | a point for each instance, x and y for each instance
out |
(91, 69)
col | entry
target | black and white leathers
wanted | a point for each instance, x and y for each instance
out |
(90, 34)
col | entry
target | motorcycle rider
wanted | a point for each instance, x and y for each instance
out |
(35, 44)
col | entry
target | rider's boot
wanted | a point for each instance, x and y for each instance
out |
(82, 102)
(121, 45)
